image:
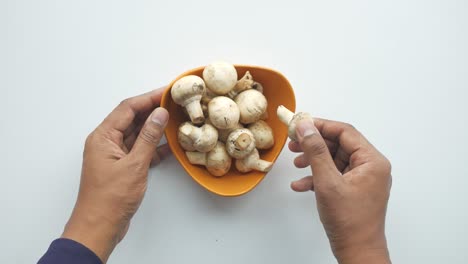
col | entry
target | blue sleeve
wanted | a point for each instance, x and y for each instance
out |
(70, 252)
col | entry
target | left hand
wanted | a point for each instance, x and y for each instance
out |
(116, 159)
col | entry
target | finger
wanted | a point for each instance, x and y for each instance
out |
(301, 162)
(137, 123)
(351, 141)
(345, 135)
(341, 159)
(303, 185)
(149, 136)
(316, 151)
(130, 139)
(123, 115)
(162, 152)
(294, 146)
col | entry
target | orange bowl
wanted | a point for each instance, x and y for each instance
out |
(277, 90)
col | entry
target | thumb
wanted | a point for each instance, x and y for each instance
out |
(150, 135)
(315, 151)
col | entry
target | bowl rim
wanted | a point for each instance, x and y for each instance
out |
(166, 95)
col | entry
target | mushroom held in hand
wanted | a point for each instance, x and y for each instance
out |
(240, 143)
(220, 77)
(253, 162)
(202, 139)
(187, 92)
(290, 119)
(252, 105)
(223, 112)
(217, 161)
(263, 134)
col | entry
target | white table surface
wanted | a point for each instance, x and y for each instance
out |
(397, 70)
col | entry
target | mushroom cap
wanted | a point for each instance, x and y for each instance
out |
(218, 161)
(187, 89)
(185, 141)
(223, 134)
(223, 112)
(252, 105)
(263, 134)
(207, 139)
(220, 77)
(292, 125)
(257, 86)
(240, 143)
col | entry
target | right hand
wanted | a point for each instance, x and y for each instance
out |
(351, 180)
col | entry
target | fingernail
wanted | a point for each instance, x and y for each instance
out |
(160, 116)
(306, 128)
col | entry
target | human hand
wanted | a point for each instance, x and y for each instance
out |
(116, 159)
(352, 182)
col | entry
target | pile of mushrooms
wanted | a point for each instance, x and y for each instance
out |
(226, 120)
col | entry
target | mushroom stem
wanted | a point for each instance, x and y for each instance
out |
(217, 161)
(195, 111)
(240, 143)
(284, 114)
(262, 165)
(291, 119)
(196, 158)
(243, 84)
(191, 131)
(243, 141)
(202, 139)
(253, 162)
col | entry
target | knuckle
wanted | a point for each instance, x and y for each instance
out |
(126, 102)
(386, 165)
(315, 145)
(90, 139)
(349, 126)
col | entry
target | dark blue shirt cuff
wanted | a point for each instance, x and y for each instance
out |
(67, 251)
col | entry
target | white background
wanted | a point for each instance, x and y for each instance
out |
(397, 70)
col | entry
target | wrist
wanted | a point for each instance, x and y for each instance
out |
(371, 253)
(359, 256)
(92, 230)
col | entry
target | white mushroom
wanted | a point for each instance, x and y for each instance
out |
(257, 86)
(252, 105)
(263, 134)
(192, 138)
(223, 112)
(207, 96)
(243, 84)
(223, 134)
(204, 109)
(240, 143)
(187, 92)
(290, 119)
(217, 161)
(253, 162)
(220, 77)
